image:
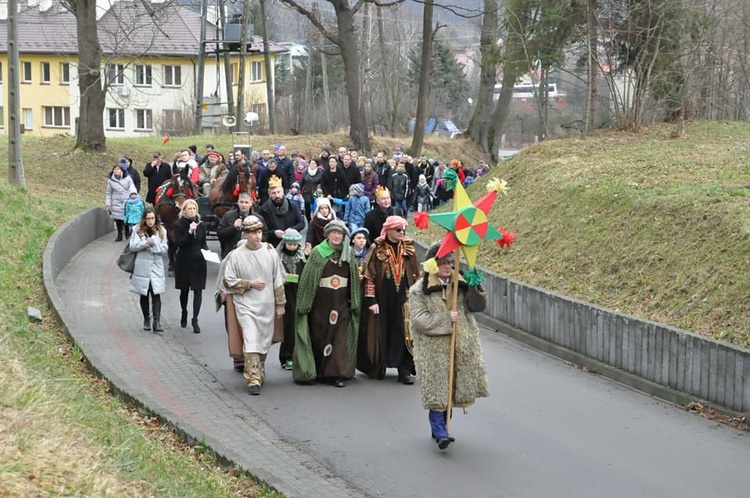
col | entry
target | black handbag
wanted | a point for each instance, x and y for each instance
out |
(126, 261)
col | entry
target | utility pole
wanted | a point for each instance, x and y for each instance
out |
(270, 95)
(201, 70)
(15, 161)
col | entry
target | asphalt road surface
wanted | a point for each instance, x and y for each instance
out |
(547, 429)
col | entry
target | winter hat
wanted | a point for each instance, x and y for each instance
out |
(295, 185)
(358, 188)
(336, 225)
(422, 177)
(361, 230)
(291, 235)
(132, 191)
(123, 163)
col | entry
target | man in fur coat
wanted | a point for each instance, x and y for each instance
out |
(431, 320)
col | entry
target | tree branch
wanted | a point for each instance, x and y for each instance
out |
(314, 20)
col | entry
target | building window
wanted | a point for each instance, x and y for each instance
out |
(26, 73)
(234, 77)
(143, 119)
(116, 74)
(45, 73)
(58, 117)
(143, 74)
(116, 119)
(172, 119)
(28, 119)
(256, 72)
(65, 73)
(172, 75)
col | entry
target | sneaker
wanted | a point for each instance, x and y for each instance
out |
(288, 365)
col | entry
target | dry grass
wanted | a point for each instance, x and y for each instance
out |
(41, 454)
(646, 224)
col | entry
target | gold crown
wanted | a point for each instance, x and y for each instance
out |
(274, 181)
(381, 191)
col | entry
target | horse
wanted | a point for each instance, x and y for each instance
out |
(225, 192)
(169, 198)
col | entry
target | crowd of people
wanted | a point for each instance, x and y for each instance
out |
(317, 259)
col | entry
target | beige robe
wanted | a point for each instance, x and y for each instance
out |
(255, 310)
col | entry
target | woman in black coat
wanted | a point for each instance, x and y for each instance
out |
(190, 265)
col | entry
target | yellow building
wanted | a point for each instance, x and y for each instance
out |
(149, 67)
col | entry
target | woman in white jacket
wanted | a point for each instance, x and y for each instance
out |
(149, 241)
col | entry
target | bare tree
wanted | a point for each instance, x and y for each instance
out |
(345, 40)
(481, 121)
(90, 133)
(424, 79)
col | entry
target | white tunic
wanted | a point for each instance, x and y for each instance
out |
(255, 309)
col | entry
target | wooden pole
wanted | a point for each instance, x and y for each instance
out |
(452, 361)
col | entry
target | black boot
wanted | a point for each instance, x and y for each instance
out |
(144, 310)
(196, 328)
(183, 319)
(439, 433)
(119, 225)
(157, 316)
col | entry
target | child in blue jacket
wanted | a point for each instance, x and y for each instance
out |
(356, 207)
(134, 207)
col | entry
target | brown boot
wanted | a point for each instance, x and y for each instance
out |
(252, 373)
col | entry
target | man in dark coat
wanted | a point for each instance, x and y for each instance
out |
(375, 218)
(127, 166)
(350, 170)
(157, 172)
(229, 230)
(279, 213)
(285, 167)
(264, 180)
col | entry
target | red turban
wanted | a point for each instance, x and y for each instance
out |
(393, 222)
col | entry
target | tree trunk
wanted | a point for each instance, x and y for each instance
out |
(591, 66)
(424, 80)
(350, 55)
(90, 132)
(481, 121)
(326, 96)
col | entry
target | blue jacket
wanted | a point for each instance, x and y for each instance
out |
(356, 208)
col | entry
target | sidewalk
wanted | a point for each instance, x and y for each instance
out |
(158, 372)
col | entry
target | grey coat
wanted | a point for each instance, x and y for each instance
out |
(149, 264)
(118, 190)
(430, 326)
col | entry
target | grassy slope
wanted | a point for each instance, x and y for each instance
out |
(647, 224)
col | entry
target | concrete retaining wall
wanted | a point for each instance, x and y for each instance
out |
(687, 365)
(72, 237)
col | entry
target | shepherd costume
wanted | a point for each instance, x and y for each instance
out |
(430, 325)
(293, 262)
(328, 302)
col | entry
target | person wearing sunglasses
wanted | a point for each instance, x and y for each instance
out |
(391, 267)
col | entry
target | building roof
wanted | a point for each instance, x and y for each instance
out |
(127, 28)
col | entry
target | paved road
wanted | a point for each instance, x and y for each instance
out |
(548, 429)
